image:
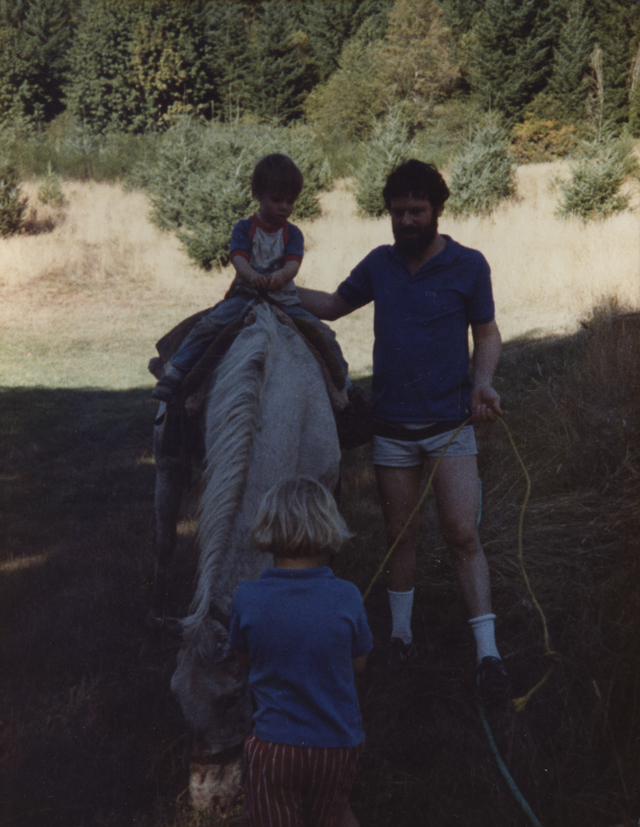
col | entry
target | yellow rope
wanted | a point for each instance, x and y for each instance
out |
(519, 703)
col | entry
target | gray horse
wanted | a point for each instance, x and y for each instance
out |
(268, 417)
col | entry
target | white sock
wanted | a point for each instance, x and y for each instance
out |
(401, 604)
(484, 631)
(172, 372)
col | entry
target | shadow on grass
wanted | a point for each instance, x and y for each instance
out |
(91, 734)
(85, 727)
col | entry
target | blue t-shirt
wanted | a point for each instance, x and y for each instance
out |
(301, 628)
(421, 348)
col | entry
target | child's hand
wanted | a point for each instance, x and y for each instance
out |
(277, 281)
(260, 282)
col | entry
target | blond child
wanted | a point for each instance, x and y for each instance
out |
(303, 633)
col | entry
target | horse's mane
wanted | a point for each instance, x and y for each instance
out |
(232, 419)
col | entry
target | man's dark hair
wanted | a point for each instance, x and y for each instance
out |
(276, 175)
(417, 179)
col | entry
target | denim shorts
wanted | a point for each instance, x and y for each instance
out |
(400, 453)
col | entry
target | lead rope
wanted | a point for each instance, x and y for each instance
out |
(518, 703)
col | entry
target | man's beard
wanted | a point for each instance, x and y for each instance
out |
(414, 245)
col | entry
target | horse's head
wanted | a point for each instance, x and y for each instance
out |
(215, 701)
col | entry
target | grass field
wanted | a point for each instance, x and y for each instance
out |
(90, 732)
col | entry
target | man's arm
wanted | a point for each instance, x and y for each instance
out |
(327, 306)
(487, 344)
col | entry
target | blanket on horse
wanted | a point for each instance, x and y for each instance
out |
(179, 431)
(171, 341)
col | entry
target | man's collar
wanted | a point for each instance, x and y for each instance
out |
(441, 257)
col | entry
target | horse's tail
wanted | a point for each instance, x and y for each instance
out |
(233, 410)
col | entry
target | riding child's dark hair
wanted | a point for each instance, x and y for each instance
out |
(299, 518)
(417, 179)
(276, 175)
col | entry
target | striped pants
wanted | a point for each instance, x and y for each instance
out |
(289, 786)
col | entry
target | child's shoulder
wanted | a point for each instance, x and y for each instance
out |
(346, 589)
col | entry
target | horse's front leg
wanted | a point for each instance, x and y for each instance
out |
(172, 477)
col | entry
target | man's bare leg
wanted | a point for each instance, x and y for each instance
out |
(456, 490)
(399, 490)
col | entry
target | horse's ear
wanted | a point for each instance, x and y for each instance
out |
(171, 625)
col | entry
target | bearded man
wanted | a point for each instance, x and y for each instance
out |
(427, 291)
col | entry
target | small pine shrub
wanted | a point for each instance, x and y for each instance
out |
(12, 205)
(388, 146)
(200, 180)
(536, 140)
(50, 191)
(484, 174)
(594, 189)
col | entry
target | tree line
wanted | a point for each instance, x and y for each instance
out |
(134, 65)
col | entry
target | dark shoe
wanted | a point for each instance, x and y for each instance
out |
(396, 656)
(167, 389)
(493, 685)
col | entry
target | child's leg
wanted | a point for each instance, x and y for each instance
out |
(204, 332)
(195, 345)
(327, 333)
(273, 784)
(333, 772)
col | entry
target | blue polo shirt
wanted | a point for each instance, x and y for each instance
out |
(301, 629)
(421, 322)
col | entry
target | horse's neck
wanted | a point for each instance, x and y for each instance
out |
(268, 418)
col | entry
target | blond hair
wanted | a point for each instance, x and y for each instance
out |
(299, 518)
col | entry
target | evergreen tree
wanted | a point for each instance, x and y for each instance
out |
(484, 174)
(346, 106)
(200, 184)
(388, 146)
(594, 189)
(35, 37)
(511, 55)
(460, 14)
(568, 86)
(331, 24)
(12, 205)
(282, 68)
(102, 93)
(616, 27)
(226, 33)
(328, 26)
(634, 95)
(417, 56)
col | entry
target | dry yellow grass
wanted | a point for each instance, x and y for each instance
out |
(83, 303)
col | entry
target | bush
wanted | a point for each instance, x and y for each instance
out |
(389, 145)
(484, 174)
(593, 191)
(536, 140)
(441, 138)
(71, 151)
(200, 182)
(50, 191)
(12, 206)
